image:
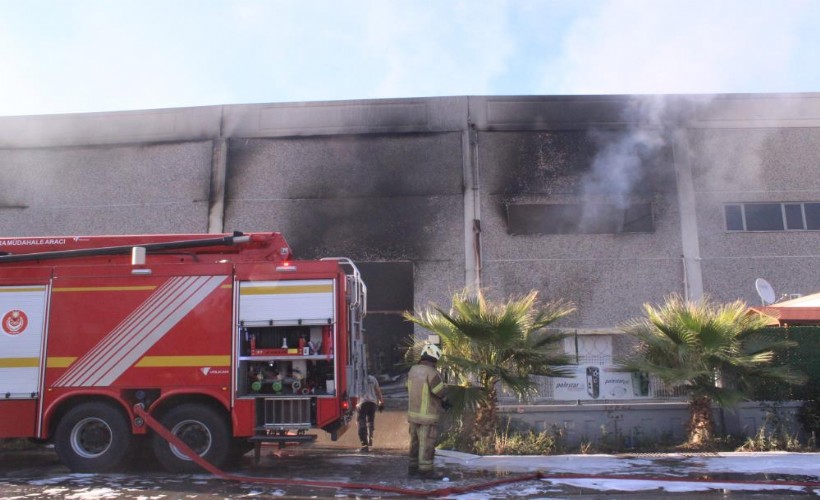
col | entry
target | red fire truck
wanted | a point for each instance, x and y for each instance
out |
(223, 339)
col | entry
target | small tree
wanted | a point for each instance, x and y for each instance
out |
(715, 352)
(486, 344)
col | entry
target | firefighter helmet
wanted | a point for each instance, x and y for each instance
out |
(431, 350)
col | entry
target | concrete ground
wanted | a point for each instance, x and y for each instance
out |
(391, 432)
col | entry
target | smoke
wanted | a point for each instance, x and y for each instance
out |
(628, 162)
(620, 163)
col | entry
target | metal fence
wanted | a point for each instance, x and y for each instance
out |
(602, 350)
(804, 358)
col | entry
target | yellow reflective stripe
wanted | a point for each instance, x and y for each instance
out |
(103, 288)
(19, 362)
(22, 289)
(60, 362)
(437, 389)
(272, 290)
(425, 400)
(424, 465)
(182, 361)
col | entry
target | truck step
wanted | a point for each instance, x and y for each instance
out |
(288, 438)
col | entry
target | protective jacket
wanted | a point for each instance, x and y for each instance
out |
(425, 392)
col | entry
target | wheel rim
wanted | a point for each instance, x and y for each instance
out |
(91, 437)
(193, 433)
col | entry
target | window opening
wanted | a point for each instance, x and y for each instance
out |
(578, 218)
(786, 216)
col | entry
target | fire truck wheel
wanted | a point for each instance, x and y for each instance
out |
(93, 437)
(203, 429)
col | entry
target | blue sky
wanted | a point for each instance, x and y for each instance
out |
(104, 55)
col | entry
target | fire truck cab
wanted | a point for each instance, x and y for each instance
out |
(223, 339)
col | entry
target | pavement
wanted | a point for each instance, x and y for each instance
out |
(783, 473)
(681, 473)
(321, 472)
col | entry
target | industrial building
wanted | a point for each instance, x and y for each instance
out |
(607, 201)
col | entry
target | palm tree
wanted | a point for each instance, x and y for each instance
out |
(490, 344)
(715, 352)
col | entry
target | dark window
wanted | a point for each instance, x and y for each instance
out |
(589, 218)
(763, 217)
(734, 217)
(389, 294)
(794, 216)
(543, 219)
(638, 218)
(812, 215)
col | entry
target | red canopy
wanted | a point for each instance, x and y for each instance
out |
(800, 311)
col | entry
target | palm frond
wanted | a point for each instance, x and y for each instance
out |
(498, 342)
(714, 350)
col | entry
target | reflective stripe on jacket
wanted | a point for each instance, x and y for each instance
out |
(425, 391)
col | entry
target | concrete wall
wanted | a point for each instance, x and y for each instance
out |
(755, 165)
(632, 425)
(123, 189)
(624, 425)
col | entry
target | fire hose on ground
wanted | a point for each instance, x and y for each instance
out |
(439, 492)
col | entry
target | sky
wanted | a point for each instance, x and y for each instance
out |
(71, 56)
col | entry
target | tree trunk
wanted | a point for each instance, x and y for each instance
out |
(486, 420)
(701, 424)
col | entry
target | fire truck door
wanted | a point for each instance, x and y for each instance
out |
(287, 302)
(22, 312)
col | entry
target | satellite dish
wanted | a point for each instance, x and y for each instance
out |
(765, 290)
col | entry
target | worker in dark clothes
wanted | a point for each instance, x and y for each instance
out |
(370, 401)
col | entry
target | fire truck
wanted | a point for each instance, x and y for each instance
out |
(223, 339)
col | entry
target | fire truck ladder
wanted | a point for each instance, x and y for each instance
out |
(234, 239)
(357, 305)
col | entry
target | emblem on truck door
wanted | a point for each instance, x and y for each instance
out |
(15, 322)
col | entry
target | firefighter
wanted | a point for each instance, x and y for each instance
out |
(371, 400)
(426, 398)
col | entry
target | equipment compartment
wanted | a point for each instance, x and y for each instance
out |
(286, 361)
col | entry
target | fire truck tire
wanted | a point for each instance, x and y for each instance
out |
(203, 429)
(94, 437)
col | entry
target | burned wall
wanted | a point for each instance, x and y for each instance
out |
(144, 188)
(755, 165)
(392, 203)
(607, 272)
(371, 198)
